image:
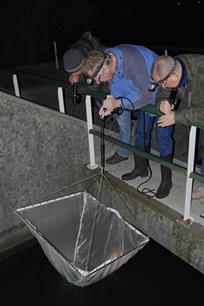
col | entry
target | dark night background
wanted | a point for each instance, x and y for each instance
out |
(28, 28)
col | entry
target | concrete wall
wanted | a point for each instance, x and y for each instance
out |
(155, 219)
(41, 151)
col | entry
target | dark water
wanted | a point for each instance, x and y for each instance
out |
(152, 277)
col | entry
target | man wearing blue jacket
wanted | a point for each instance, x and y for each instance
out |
(127, 69)
(73, 61)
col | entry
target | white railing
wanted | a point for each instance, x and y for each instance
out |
(59, 93)
(93, 165)
(61, 99)
(16, 87)
(56, 55)
(190, 168)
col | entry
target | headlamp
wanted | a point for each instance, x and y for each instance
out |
(89, 79)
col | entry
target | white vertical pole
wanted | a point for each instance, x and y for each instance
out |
(61, 99)
(16, 87)
(92, 164)
(56, 56)
(190, 168)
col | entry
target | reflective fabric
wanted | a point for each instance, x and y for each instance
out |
(83, 239)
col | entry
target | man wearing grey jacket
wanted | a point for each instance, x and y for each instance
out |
(184, 75)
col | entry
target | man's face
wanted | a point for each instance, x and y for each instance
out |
(172, 78)
(167, 83)
(104, 75)
(74, 76)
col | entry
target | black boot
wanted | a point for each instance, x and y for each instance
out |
(166, 180)
(140, 168)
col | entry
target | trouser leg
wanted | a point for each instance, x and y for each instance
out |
(165, 144)
(142, 141)
(166, 180)
(124, 122)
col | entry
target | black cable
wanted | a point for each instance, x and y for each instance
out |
(146, 190)
(119, 111)
(173, 101)
(127, 109)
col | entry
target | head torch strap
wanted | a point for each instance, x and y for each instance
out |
(153, 85)
(169, 74)
(99, 67)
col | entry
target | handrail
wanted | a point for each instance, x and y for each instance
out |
(197, 177)
(38, 77)
(149, 109)
(140, 152)
(55, 82)
(180, 169)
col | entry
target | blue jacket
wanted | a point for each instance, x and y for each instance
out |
(132, 75)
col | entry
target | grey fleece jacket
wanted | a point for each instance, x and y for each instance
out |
(191, 107)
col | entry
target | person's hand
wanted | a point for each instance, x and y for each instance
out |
(167, 119)
(165, 107)
(109, 104)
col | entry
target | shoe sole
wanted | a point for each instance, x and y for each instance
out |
(132, 178)
(114, 163)
(163, 195)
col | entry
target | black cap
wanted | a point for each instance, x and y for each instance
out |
(73, 60)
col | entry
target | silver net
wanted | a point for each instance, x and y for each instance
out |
(83, 239)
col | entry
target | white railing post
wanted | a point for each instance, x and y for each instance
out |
(56, 55)
(61, 99)
(190, 168)
(92, 164)
(16, 87)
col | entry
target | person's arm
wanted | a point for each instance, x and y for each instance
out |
(167, 119)
(109, 105)
(135, 82)
(190, 116)
(161, 95)
(169, 114)
(193, 112)
(185, 116)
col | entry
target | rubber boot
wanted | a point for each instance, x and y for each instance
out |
(140, 168)
(166, 180)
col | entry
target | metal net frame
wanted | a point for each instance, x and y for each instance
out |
(82, 234)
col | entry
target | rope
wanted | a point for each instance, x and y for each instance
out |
(59, 190)
(102, 128)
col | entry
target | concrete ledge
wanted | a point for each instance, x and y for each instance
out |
(14, 240)
(162, 224)
(155, 219)
(42, 151)
(150, 216)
